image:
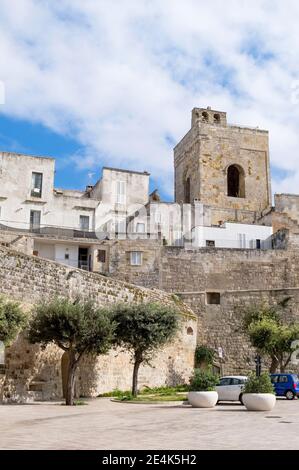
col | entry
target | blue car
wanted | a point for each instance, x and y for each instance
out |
(286, 385)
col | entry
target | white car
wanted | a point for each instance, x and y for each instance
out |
(231, 387)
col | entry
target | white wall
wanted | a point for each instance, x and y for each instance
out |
(232, 235)
(57, 251)
(70, 250)
(62, 209)
(137, 186)
(44, 250)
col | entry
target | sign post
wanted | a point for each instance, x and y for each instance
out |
(258, 365)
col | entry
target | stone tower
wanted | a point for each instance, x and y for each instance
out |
(223, 166)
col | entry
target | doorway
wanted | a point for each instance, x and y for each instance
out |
(83, 258)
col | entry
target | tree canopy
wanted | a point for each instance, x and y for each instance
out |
(12, 320)
(142, 329)
(270, 336)
(77, 327)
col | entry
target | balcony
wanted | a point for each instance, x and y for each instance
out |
(47, 231)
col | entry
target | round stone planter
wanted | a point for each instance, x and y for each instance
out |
(259, 401)
(203, 399)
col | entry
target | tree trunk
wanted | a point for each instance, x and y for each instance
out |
(135, 378)
(283, 365)
(274, 365)
(71, 380)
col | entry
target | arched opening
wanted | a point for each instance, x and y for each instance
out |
(235, 181)
(189, 331)
(205, 116)
(187, 191)
(217, 118)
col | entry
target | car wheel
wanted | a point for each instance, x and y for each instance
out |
(290, 395)
(241, 399)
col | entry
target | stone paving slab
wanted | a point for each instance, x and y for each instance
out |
(103, 424)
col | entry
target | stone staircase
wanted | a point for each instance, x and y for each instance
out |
(15, 240)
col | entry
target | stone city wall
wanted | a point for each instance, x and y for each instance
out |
(31, 373)
(221, 325)
(242, 278)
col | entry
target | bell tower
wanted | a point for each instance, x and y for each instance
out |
(223, 166)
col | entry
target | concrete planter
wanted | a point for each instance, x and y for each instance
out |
(203, 399)
(259, 401)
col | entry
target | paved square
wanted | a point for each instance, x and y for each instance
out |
(103, 424)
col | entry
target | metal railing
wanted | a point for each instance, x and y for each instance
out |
(44, 230)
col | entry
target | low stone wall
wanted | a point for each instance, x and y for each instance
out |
(241, 277)
(227, 269)
(221, 325)
(30, 372)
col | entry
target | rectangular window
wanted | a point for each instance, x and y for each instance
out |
(140, 227)
(84, 222)
(210, 242)
(36, 184)
(120, 226)
(283, 379)
(121, 192)
(102, 256)
(35, 217)
(136, 258)
(213, 298)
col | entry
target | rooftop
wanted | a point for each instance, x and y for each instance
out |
(126, 171)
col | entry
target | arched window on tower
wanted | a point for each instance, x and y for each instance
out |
(235, 181)
(217, 118)
(205, 116)
(187, 191)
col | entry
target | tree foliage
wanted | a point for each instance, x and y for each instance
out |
(259, 384)
(12, 320)
(204, 355)
(78, 328)
(269, 335)
(203, 381)
(142, 329)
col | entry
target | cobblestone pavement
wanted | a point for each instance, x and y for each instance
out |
(103, 424)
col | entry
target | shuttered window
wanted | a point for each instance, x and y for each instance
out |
(136, 258)
(121, 192)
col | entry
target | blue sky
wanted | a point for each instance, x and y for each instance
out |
(22, 136)
(113, 83)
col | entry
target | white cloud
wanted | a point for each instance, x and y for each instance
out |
(123, 76)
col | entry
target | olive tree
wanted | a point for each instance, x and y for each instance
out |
(142, 329)
(12, 320)
(270, 336)
(78, 328)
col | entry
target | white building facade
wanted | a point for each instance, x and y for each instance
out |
(233, 235)
(74, 227)
(65, 225)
